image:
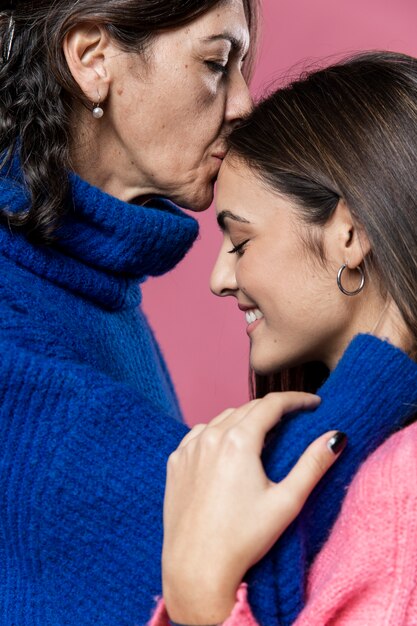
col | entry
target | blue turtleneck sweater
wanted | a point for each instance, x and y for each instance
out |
(88, 412)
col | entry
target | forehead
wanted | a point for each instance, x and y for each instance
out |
(236, 186)
(239, 191)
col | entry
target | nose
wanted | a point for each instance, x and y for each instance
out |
(239, 100)
(223, 277)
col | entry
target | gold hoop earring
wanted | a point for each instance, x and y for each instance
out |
(339, 281)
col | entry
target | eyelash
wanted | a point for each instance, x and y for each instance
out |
(218, 67)
(239, 249)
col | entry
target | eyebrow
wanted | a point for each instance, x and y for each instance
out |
(223, 215)
(237, 44)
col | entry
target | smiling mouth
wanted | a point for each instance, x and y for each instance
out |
(252, 315)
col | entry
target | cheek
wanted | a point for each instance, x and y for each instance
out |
(282, 284)
(206, 98)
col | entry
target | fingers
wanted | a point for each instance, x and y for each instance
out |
(310, 468)
(199, 428)
(231, 416)
(194, 432)
(268, 412)
(257, 417)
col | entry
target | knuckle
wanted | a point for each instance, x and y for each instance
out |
(172, 459)
(272, 395)
(277, 398)
(291, 502)
(235, 439)
(223, 415)
(316, 465)
(196, 428)
(210, 438)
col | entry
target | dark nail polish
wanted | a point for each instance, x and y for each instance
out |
(337, 443)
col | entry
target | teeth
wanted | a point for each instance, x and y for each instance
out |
(250, 317)
(253, 315)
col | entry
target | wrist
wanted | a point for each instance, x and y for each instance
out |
(195, 605)
(171, 623)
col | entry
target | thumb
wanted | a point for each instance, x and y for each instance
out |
(310, 468)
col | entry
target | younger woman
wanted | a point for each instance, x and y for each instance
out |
(318, 207)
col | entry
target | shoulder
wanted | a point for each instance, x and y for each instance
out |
(390, 472)
(378, 514)
(366, 571)
(378, 518)
(383, 494)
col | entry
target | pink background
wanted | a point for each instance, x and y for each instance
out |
(203, 337)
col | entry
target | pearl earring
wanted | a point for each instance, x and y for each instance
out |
(97, 110)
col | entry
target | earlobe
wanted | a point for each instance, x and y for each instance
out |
(86, 48)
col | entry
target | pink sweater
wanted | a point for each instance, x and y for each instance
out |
(367, 571)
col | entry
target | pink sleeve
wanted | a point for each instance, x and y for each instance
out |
(367, 571)
(241, 614)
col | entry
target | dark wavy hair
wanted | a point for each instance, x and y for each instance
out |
(37, 89)
(346, 131)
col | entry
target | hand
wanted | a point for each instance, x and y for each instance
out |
(222, 513)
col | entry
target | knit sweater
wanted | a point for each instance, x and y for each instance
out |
(367, 571)
(369, 395)
(88, 413)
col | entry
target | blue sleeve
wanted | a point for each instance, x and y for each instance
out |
(83, 473)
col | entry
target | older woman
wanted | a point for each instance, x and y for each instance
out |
(103, 106)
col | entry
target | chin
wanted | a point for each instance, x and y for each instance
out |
(263, 370)
(197, 200)
(264, 367)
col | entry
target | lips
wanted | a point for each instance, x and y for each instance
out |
(220, 152)
(252, 313)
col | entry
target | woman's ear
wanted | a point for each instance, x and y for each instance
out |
(87, 48)
(347, 241)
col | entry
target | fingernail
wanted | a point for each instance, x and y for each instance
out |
(337, 443)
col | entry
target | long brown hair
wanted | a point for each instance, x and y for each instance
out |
(37, 89)
(347, 131)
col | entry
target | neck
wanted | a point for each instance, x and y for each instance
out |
(105, 247)
(377, 316)
(98, 159)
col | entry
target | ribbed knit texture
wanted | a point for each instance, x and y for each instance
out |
(88, 414)
(367, 571)
(369, 395)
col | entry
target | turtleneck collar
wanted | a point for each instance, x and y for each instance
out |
(105, 247)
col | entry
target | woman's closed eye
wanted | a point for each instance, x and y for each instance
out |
(239, 249)
(219, 67)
